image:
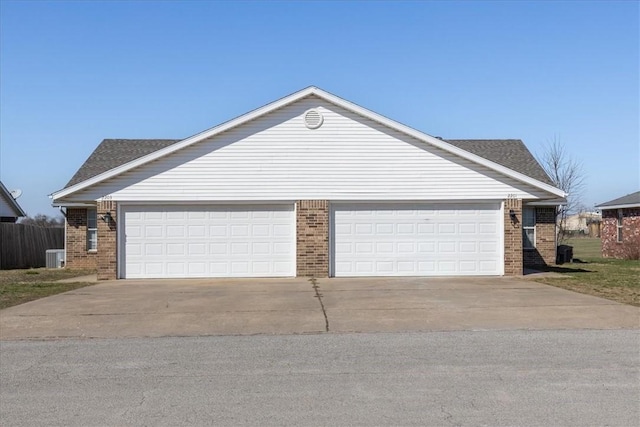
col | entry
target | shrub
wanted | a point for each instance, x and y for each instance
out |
(631, 248)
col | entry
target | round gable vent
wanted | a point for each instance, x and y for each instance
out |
(313, 119)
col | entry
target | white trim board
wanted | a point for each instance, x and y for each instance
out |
(613, 207)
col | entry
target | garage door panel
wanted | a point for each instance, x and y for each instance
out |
(416, 240)
(282, 230)
(175, 216)
(384, 266)
(427, 267)
(488, 247)
(208, 241)
(468, 228)
(175, 231)
(468, 247)
(196, 249)
(175, 269)
(153, 249)
(382, 248)
(153, 268)
(151, 231)
(468, 266)
(487, 228)
(282, 248)
(219, 269)
(282, 268)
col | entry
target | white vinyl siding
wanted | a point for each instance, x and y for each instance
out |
(6, 209)
(166, 241)
(417, 239)
(277, 158)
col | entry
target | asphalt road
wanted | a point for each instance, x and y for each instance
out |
(563, 378)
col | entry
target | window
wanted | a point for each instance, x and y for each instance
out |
(529, 228)
(92, 230)
(619, 224)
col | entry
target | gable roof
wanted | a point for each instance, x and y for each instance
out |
(173, 147)
(629, 201)
(13, 204)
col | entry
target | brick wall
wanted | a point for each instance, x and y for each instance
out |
(545, 251)
(611, 248)
(513, 238)
(76, 245)
(312, 238)
(107, 242)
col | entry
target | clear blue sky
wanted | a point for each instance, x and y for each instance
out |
(74, 73)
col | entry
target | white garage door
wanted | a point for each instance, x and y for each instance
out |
(417, 240)
(208, 241)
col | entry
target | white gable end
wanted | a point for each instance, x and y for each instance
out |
(276, 157)
(6, 209)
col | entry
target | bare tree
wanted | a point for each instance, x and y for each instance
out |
(43, 220)
(566, 173)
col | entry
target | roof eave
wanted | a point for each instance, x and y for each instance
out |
(73, 204)
(550, 202)
(623, 206)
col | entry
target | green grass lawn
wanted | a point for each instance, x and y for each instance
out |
(585, 248)
(20, 286)
(614, 279)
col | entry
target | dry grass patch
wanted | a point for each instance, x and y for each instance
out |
(614, 279)
(20, 286)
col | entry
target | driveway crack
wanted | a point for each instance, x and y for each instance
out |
(448, 417)
(316, 288)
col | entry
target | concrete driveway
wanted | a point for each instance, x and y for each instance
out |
(153, 308)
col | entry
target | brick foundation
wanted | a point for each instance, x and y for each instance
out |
(107, 262)
(76, 240)
(545, 251)
(630, 244)
(312, 238)
(513, 238)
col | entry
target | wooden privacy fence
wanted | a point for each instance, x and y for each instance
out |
(25, 246)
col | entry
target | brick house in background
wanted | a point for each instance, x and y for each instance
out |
(620, 233)
(309, 185)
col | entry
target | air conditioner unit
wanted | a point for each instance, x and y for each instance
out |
(55, 258)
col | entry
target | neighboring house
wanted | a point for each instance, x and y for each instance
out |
(579, 223)
(309, 185)
(620, 233)
(10, 210)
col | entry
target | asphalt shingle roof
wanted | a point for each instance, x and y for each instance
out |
(111, 153)
(629, 199)
(511, 153)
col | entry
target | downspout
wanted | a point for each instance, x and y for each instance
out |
(555, 235)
